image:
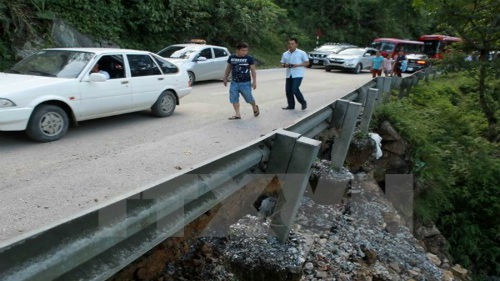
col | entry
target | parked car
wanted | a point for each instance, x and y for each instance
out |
(351, 59)
(416, 62)
(48, 90)
(203, 62)
(319, 54)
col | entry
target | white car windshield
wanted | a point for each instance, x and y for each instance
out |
(178, 52)
(328, 48)
(357, 52)
(54, 63)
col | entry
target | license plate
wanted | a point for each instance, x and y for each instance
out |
(315, 61)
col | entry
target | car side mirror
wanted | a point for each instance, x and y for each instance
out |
(201, 59)
(97, 77)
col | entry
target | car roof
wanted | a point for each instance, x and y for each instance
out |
(101, 50)
(196, 46)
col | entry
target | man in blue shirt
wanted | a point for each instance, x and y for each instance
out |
(295, 61)
(244, 79)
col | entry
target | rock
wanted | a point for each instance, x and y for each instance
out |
(395, 266)
(396, 147)
(413, 273)
(321, 274)
(388, 132)
(370, 255)
(459, 271)
(448, 275)
(427, 231)
(434, 259)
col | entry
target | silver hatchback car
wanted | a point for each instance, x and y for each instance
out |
(203, 62)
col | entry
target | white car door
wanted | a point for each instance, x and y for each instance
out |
(109, 97)
(204, 69)
(220, 62)
(147, 80)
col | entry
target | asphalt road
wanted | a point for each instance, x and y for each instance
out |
(42, 184)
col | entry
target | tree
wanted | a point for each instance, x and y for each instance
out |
(478, 23)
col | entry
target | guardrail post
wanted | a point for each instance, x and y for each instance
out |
(404, 88)
(368, 110)
(281, 152)
(294, 181)
(350, 112)
(384, 87)
(363, 93)
(396, 82)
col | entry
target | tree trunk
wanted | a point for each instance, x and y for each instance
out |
(488, 112)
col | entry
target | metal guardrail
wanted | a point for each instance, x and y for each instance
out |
(96, 245)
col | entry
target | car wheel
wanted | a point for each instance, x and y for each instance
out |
(164, 105)
(310, 64)
(192, 78)
(47, 123)
(328, 68)
(358, 68)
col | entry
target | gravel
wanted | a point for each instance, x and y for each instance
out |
(360, 238)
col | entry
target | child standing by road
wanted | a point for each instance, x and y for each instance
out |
(388, 61)
(244, 79)
(377, 64)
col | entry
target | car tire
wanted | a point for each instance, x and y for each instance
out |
(192, 77)
(358, 68)
(164, 105)
(328, 68)
(47, 123)
(310, 64)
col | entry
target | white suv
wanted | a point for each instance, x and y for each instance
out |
(352, 59)
(319, 54)
(203, 62)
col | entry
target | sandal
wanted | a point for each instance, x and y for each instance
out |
(234, 117)
(257, 112)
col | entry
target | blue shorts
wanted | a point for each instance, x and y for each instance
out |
(243, 88)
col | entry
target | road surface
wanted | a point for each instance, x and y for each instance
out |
(42, 184)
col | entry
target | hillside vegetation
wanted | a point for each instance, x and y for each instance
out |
(456, 165)
(265, 24)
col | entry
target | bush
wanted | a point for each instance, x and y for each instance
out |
(457, 165)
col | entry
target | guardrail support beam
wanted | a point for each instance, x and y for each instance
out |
(350, 112)
(372, 96)
(294, 181)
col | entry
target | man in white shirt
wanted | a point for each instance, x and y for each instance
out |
(295, 61)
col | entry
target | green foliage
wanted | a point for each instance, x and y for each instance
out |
(359, 21)
(457, 164)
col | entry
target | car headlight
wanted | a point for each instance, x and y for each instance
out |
(6, 103)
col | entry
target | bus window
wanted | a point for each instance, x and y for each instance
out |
(394, 44)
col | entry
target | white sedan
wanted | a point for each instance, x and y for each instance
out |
(47, 91)
(202, 62)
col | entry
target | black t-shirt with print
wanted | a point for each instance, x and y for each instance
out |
(241, 68)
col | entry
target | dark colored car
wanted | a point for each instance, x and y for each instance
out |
(416, 62)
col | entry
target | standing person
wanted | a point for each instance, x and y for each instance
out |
(388, 61)
(294, 60)
(377, 64)
(400, 62)
(244, 79)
